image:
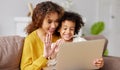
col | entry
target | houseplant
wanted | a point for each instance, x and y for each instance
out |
(96, 29)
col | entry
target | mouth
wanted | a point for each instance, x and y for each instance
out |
(67, 36)
(52, 31)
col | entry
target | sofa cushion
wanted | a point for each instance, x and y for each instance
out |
(111, 63)
(10, 52)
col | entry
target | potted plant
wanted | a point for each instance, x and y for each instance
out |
(96, 29)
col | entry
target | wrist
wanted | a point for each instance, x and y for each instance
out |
(48, 58)
(45, 56)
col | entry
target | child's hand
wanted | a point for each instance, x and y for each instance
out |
(57, 44)
(99, 62)
(55, 48)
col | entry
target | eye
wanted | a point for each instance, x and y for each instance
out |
(72, 29)
(64, 28)
(49, 21)
(57, 21)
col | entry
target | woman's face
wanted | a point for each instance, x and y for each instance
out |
(50, 22)
(67, 30)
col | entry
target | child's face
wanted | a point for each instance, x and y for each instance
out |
(67, 30)
(50, 23)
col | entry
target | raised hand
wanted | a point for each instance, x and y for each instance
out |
(55, 46)
(47, 45)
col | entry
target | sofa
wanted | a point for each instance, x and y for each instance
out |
(11, 51)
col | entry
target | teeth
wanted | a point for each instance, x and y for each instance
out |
(67, 35)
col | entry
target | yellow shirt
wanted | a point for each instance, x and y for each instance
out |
(32, 58)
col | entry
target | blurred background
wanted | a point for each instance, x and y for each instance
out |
(14, 17)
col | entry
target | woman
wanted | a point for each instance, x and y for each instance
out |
(40, 31)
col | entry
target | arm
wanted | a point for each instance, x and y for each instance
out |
(30, 58)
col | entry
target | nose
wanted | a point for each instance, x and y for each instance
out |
(68, 31)
(53, 25)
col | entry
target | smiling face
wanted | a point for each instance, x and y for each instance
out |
(67, 30)
(50, 23)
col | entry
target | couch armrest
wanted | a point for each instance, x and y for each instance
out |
(111, 63)
(10, 52)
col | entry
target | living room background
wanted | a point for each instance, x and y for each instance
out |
(91, 10)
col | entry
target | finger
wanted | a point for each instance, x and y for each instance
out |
(100, 60)
(59, 42)
(52, 51)
(95, 61)
(56, 44)
(47, 42)
(98, 63)
(46, 38)
(49, 38)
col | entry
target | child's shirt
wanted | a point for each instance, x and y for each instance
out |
(78, 39)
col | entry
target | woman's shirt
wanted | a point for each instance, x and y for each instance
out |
(32, 56)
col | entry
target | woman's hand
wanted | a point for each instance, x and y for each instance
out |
(47, 46)
(99, 62)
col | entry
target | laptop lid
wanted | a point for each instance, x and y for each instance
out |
(79, 55)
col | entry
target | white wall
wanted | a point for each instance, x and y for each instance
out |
(9, 9)
(109, 13)
(114, 28)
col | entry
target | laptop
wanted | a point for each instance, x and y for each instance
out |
(79, 55)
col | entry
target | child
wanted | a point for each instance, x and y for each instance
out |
(69, 25)
(40, 31)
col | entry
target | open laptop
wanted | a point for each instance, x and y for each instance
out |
(79, 55)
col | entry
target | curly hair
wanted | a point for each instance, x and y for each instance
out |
(71, 16)
(40, 11)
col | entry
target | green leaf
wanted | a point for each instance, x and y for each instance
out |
(97, 27)
(106, 52)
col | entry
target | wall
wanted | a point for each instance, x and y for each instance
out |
(109, 12)
(9, 9)
(19, 8)
(114, 28)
